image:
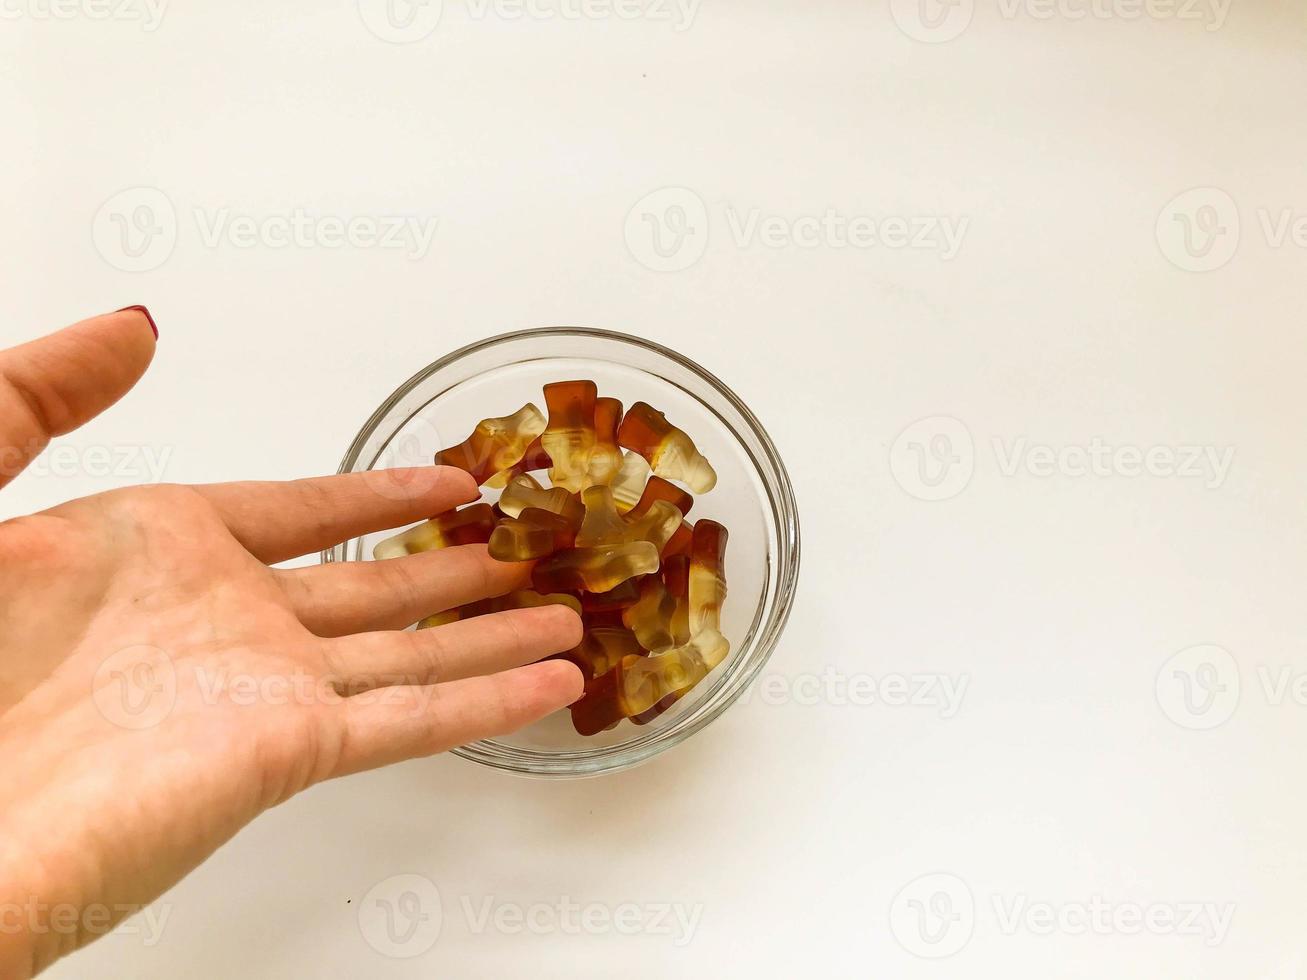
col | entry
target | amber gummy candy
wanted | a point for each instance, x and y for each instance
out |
(471, 525)
(605, 456)
(520, 599)
(594, 569)
(570, 434)
(523, 492)
(535, 458)
(603, 648)
(670, 452)
(707, 576)
(495, 444)
(534, 533)
(640, 688)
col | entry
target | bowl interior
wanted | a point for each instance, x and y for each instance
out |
(440, 406)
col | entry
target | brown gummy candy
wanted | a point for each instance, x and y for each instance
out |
(707, 576)
(534, 533)
(535, 458)
(629, 482)
(602, 524)
(594, 569)
(605, 456)
(640, 688)
(520, 599)
(670, 452)
(650, 617)
(569, 435)
(618, 598)
(676, 576)
(603, 648)
(495, 444)
(523, 492)
(659, 489)
(471, 525)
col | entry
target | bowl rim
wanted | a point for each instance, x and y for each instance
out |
(785, 513)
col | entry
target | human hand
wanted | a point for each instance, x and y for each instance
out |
(161, 685)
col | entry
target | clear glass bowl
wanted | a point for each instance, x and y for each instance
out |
(439, 406)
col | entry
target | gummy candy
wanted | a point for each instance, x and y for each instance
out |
(523, 492)
(670, 452)
(602, 523)
(618, 598)
(603, 648)
(535, 458)
(534, 533)
(610, 538)
(471, 525)
(640, 688)
(495, 444)
(520, 599)
(570, 435)
(650, 618)
(707, 576)
(594, 569)
(629, 482)
(605, 456)
(676, 576)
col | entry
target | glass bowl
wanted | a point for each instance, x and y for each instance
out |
(753, 498)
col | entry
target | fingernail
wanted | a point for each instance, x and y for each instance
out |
(141, 309)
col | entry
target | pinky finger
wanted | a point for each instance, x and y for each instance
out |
(393, 724)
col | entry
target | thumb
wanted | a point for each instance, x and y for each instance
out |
(51, 386)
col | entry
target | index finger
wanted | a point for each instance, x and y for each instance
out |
(277, 521)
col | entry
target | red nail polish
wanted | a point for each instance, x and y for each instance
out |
(153, 326)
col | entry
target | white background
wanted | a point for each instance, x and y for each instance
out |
(1072, 771)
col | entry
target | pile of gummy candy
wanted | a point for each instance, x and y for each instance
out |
(609, 538)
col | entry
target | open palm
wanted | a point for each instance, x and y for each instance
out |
(161, 685)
